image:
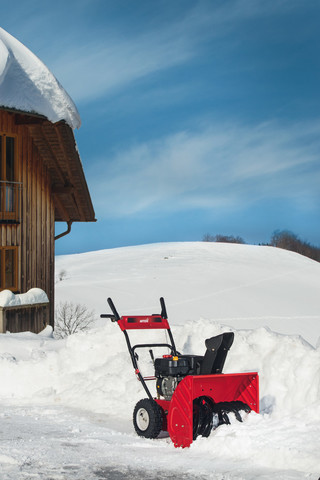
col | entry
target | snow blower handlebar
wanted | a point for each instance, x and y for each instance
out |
(142, 322)
(163, 309)
(139, 322)
(115, 317)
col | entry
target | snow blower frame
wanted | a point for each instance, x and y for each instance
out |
(197, 397)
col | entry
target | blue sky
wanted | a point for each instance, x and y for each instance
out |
(197, 116)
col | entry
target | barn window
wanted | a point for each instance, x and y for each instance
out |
(9, 268)
(9, 188)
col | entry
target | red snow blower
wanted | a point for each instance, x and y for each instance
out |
(193, 396)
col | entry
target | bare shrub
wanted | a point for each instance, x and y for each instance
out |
(72, 318)
(223, 238)
(62, 275)
(289, 241)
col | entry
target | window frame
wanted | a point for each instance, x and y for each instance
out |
(3, 250)
(9, 189)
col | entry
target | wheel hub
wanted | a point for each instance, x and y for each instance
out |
(142, 419)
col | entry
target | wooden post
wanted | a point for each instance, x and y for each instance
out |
(3, 322)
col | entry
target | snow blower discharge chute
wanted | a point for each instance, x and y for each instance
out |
(193, 396)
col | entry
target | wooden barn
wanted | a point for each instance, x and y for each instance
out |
(41, 182)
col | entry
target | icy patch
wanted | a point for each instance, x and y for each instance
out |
(7, 459)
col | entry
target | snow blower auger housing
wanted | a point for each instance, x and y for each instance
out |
(193, 396)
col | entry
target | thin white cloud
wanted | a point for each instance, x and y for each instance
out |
(103, 68)
(99, 63)
(220, 166)
(95, 62)
(103, 64)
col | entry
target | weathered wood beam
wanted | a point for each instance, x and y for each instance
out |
(59, 205)
(21, 119)
(46, 152)
(62, 190)
(69, 159)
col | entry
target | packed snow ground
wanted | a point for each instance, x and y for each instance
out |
(67, 404)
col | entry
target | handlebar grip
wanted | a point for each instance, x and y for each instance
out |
(163, 308)
(107, 315)
(114, 310)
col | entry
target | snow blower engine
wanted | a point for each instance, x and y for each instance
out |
(192, 395)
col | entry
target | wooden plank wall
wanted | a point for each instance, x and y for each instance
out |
(31, 318)
(35, 234)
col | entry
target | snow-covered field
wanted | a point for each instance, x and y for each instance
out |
(67, 404)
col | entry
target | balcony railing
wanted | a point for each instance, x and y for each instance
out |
(10, 202)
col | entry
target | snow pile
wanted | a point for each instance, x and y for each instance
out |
(33, 296)
(93, 370)
(26, 84)
(289, 368)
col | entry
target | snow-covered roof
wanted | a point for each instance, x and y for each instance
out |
(27, 85)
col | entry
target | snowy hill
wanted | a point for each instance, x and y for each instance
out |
(243, 286)
(74, 398)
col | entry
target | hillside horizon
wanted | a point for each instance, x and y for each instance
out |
(244, 286)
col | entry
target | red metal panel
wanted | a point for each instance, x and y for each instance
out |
(164, 404)
(228, 387)
(180, 415)
(143, 322)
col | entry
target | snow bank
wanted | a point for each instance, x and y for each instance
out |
(26, 84)
(289, 368)
(93, 370)
(33, 296)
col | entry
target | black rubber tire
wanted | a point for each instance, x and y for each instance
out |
(147, 418)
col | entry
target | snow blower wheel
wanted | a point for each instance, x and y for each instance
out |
(147, 418)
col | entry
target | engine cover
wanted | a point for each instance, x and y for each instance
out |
(177, 366)
(167, 385)
(170, 370)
